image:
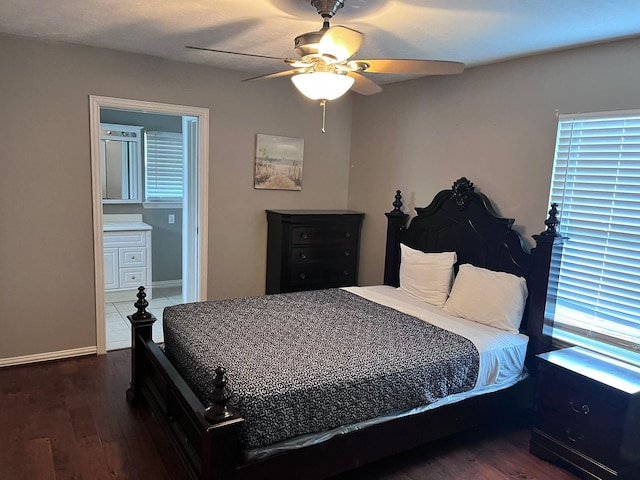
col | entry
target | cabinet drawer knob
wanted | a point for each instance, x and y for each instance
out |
(302, 276)
(347, 254)
(303, 256)
(348, 234)
(345, 272)
(583, 409)
(304, 236)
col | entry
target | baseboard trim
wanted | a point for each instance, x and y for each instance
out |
(166, 283)
(45, 357)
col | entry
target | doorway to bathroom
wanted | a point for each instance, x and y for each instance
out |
(150, 229)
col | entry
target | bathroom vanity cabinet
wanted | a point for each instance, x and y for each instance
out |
(127, 257)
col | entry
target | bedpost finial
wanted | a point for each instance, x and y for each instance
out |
(141, 304)
(552, 222)
(218, 410)
(397, 203)
(461, 189)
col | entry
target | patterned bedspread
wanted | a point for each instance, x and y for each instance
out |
(310, 361)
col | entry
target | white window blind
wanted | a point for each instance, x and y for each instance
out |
(596, 182)
(164, 166)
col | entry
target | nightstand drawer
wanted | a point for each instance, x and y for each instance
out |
(303, 235)
(600, 444)
(576, 398)
(346, 255)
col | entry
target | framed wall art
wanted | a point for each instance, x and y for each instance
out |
(278, 162)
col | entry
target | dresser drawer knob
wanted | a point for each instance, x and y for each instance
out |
(345, 272)
(583, 409)
(348, 234)
(347, 254)
(304, 236)
(302, 276)
(303, 256)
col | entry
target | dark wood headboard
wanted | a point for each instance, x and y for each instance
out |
(462, 220)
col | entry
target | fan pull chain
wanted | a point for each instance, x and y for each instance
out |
(323, 104)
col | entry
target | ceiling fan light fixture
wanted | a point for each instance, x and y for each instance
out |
(322, 85)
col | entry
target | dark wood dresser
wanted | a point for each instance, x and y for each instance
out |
(312, 249)
(588, 413)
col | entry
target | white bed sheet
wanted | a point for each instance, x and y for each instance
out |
(502, 356)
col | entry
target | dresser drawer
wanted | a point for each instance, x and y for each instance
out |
(322, 277)
(344, 255)
(304, 235)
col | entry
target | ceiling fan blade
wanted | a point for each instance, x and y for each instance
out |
(340, 43)
(363, 85)
(288, 60)
(420, 67)
(284, 73)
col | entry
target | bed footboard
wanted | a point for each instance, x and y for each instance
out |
(206, 439)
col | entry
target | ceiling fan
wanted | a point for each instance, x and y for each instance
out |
(326, 68)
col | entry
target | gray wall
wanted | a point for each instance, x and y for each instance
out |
(47, 291)
(495, 125)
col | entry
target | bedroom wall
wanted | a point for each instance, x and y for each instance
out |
(47, 292)
(495, 125)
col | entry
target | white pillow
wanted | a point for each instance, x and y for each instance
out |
(427, 276)
(493, 298)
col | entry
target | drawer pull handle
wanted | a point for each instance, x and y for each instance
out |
(303, 256)
(348, 234)
(347, 254)
(584, 409)
(302, 276)
(577, 438)
(345, 272)
(304, 236)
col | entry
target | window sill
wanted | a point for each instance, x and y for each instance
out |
(162, 204)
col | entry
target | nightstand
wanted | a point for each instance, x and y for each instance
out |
(588, 413)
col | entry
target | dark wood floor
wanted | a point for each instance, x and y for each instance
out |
(69, 420)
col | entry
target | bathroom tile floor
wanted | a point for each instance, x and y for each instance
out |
(118, 332)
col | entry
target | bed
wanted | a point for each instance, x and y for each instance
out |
(262, 412)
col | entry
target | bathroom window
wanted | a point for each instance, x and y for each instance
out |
(164, 167)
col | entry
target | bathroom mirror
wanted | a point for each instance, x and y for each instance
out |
(121, 162)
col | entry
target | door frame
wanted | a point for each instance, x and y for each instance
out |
(197, 237)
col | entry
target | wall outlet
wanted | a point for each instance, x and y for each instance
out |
(172, 219)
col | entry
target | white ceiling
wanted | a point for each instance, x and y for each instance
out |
(474, 32)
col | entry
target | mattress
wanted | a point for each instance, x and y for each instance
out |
(312, 361)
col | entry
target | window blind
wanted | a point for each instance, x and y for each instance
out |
(596, 182)
(164, 166)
